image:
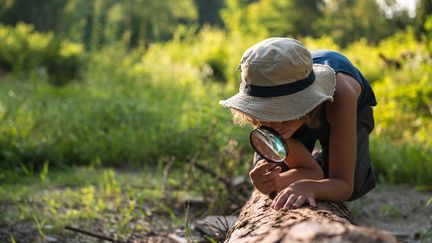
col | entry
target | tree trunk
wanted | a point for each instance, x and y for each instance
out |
(328, 222)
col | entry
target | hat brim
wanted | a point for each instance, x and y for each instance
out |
(288, 107)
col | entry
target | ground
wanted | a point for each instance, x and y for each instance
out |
(136, 207)
(401, 210)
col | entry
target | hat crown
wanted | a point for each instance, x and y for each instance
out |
(275, 61)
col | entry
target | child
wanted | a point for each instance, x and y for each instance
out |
(307, 97)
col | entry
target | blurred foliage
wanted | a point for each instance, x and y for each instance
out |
(208, 12)
(423, 10)
(23, 50)
(102, 21)
(272, 17)
(145, 21)
(152, 72)
(347, 21)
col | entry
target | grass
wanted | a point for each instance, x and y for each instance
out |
(390, 211)
(111, 116)
(426, 236)
(401, 163)
(119, 203)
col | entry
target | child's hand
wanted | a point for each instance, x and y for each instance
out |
(265, 177)
(293, 197)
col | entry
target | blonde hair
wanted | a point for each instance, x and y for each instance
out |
(312, 119)
(240, 118)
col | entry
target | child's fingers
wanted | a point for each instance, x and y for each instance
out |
(273, 173)
(280, 200)
(259, 170)
(266, 181)
(270, 177)
(276, 199)
(291, 199)
(265, 172)
(261, 162)
(300, 200)
(262, 166)
(311, 201)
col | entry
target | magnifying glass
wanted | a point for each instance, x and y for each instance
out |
(270, 145)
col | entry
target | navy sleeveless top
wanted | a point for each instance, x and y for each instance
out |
(340, 63)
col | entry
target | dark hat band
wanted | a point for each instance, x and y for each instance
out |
(279, 90)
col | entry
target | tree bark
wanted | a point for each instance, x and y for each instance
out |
(328, 222)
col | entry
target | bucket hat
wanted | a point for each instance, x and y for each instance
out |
(279, 81)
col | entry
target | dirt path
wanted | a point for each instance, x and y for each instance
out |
(400, 210)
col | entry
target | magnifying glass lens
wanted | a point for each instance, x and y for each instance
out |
(269, 144)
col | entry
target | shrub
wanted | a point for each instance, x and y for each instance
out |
(23, 50)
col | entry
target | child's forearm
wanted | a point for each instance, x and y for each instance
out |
(296, 174)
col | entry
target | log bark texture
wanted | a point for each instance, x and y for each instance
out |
(328, 222)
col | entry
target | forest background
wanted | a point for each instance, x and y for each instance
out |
(118, 86)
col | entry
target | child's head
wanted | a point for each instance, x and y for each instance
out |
(280, 83)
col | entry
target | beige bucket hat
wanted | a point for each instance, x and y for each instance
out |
(279, 82)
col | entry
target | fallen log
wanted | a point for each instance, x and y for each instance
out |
(328, 222)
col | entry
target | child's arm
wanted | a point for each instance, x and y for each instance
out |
(301, 165)
(267, 179)
(342, 116)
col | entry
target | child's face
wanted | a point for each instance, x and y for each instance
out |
(286, 128)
